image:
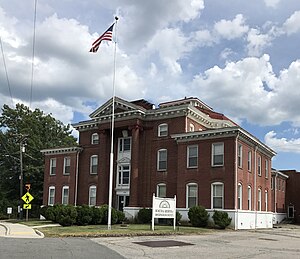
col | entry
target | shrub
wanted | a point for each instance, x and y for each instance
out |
(52, 212)
(67, 215)
(221, 219)
(178, 217)
(114, 216)
(144, 216)
(97, 216)
(198, 216)
(121, 216)
(84, 215)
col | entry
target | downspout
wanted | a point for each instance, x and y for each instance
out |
(255, 201)
(236, 182)
(76, 178)
(275, 192)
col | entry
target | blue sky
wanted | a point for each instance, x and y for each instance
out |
(239, 57)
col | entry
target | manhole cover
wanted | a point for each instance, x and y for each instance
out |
(164, 243)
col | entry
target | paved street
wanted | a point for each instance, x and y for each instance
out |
(273, 243)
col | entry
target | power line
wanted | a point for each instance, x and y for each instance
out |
(33, 53)
(6, 73)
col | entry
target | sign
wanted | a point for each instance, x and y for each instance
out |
(27, 197)
(27, 206)
(9, 210)
(163, 208)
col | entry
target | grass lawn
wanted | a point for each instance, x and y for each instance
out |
(118, 230)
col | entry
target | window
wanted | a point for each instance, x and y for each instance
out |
(52, 166)
(240, 155)
(192, 155)
(240, 196)
(192, 127)
(92, 195)
(51, 197)
(249, 197)
(161, 190)
(279, 184)
(163, 130)
(217, 154)
(259, 166)
(249, 160)
(266, 168)
(67, 165)
(217, 191)
(124, 144)
(283, 185)
(95, 138)
(123, 175)
(191, 195)
(94, 164)
(65, 195)
(162, 160)
(259, 200)
(266, 200)
(272, 183)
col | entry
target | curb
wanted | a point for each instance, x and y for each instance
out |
(39, 233)
(7, 229)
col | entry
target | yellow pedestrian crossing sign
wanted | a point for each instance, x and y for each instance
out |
(27, 197)
(27, 206)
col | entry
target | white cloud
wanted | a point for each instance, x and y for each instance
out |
(272, 3)
(292, 24)
(282, 144)
(231, 29)
(257, 42)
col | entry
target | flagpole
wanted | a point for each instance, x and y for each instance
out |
(111, 164)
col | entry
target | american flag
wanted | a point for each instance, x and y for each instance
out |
(107, 35)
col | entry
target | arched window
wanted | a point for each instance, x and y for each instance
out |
(161, 190)
(240, 196)
(92, 195)
(51, 196)
(249, 197)
(217, 195)
(191, 195)
(259, 200)
(65, 195)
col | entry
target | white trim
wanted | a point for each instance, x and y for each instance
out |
(65, 187)
(91, 164)
(64, 169)
(160, 131)
(240, 196)
(187, 194)
(249, 161)
(95, 139)
(212, 194)
(53, 161)
(213, 151)
(158, 186)
(158, 160)
(240, 155)
(51, 188)
(90, 188)
(188, 156)
(249, 198)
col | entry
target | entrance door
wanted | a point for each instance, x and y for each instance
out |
(123, 201)
(291, 212)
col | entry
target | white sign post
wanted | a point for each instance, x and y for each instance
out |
(163, 208)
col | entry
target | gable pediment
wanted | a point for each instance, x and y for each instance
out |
(120, 106)
(124, 160)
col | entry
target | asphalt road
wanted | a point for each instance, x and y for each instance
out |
(56, 248)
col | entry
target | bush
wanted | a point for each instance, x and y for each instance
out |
(121, 216)
(84, 215)
(178, 217)
(198, 216)
(114, 216)
(221, 219)
(67, 215)
(97, 216)
(52, 212)
(144, 216)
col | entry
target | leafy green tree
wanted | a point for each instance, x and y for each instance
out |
(42, 131)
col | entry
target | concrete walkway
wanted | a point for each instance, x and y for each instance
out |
(15, 230)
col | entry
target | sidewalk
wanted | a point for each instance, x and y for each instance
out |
(15, 230)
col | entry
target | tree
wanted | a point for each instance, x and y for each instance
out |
(42, 131)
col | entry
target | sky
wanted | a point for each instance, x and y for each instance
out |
(240, 57)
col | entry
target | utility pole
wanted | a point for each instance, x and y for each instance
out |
(22, 150)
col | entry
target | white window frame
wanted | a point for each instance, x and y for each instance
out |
(259, 166)
(122, 147)
(92, 158)
(249, 190)
(162, 130)
(192, 157)
(213, 196)
(159, 161)
(266, 200)
(65, 198)
(192, 127)
(52, 166)
(188, 196)
(67, 163)
(240, 156)
(267, 168)
(159, 189)
(121, 171)
(51, 196)
(259, 199)
(213, 147)
(95, 139)
(92, 203)
(249, 163)
(240, 196)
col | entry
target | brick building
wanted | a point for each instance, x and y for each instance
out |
(181, 148)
